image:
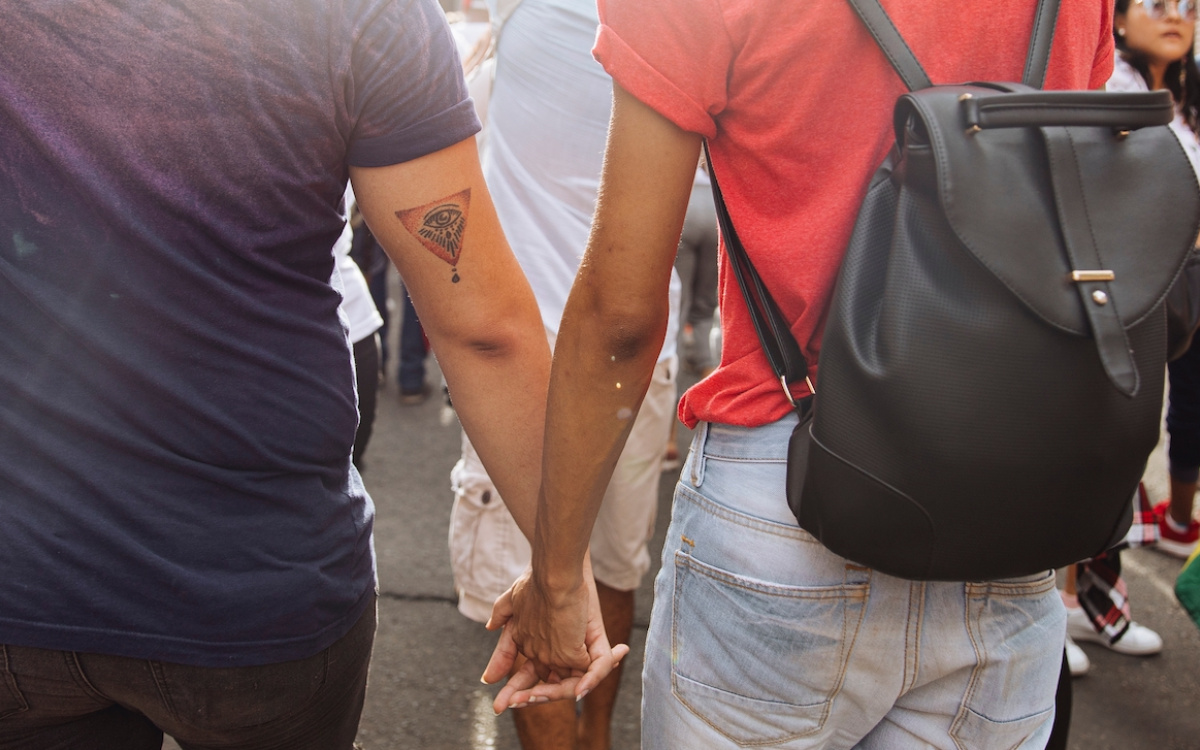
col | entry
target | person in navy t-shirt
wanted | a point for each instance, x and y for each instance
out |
(179, 515)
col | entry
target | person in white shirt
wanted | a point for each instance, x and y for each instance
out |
(545, 136)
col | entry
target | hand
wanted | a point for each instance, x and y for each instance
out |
(563, 637)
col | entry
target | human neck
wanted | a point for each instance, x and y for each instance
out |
(1157, 73)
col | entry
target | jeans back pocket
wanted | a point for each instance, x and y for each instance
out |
(760, 663)
(1016, 628)
(11, 699)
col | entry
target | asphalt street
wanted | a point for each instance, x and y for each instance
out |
(424, 688)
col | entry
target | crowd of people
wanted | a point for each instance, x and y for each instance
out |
(194, 319)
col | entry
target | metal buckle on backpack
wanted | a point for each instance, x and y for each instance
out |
(1097, 275)
(787, 391)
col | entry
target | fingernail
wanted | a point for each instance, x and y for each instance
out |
(518, 705)
(582, 695)
(483, 680)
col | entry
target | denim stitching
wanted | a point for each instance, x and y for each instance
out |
(761, 743)
(973, 593)
(857, 591)
(848, 639)
(75, 668)
(696, 460)
(164, 690)
(859, 594)
(746, 459)
(717, 728)
(1002, 588)
(912, 635)
(924, 589)
(769, 527)
(973, 681)
(11, 680)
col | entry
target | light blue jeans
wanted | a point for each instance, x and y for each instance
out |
(761, 637)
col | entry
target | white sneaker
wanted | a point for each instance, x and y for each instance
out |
(1138, 640)
(1077, 661)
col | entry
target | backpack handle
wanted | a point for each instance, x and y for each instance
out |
(1121, 111)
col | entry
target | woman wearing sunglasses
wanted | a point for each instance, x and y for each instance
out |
(1154, 40)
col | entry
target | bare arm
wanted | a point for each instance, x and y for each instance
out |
(609, 340)
(435, 219)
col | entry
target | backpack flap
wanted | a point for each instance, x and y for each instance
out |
(1091, 233)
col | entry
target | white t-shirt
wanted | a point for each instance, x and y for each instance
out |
(546, 133)
(357, 308)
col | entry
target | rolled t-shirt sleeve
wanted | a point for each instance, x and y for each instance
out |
(408, 97)
(673, 55)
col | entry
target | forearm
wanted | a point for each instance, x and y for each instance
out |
(607, 346)
(603, 365)
(612, 328)
(499, 394)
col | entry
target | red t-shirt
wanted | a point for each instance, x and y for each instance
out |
(796, 102)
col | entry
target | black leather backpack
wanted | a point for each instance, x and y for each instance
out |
(991, 373)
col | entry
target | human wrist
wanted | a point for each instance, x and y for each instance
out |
(558, 582)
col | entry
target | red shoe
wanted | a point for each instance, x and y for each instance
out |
(1171, 541)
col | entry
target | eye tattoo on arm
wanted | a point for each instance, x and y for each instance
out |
(439, 226)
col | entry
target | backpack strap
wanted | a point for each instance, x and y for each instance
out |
(1039, 46)
(887, 36)
(905, 63)
(783, 353)
(1095, 294)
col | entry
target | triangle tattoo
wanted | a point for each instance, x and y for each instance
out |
(440, 226)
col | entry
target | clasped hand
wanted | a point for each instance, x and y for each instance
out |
(561, 635)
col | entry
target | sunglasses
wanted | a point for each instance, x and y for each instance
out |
(1157, 9)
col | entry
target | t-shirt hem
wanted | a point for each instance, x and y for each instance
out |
(426, 137)
(650, 86)
(743, 418)
(182, 650)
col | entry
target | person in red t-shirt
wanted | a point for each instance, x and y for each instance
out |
(759, 634)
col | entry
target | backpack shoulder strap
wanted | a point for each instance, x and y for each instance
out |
(1039, 45)
(887, 36)
(905, 63)
(774, 334)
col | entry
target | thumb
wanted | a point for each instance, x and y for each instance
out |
(502, 611)
(503, 658)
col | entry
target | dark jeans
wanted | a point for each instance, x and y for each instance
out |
(63, 700)
(379, 293)
(413, 350)
(1062, 709)
(366, 369)
(1183, 414)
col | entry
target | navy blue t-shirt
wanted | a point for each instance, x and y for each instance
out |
(178, 404)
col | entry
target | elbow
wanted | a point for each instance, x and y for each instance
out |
(624, 330)
(507, 336)
(628, 340)
(495, 333)
(505, 340)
